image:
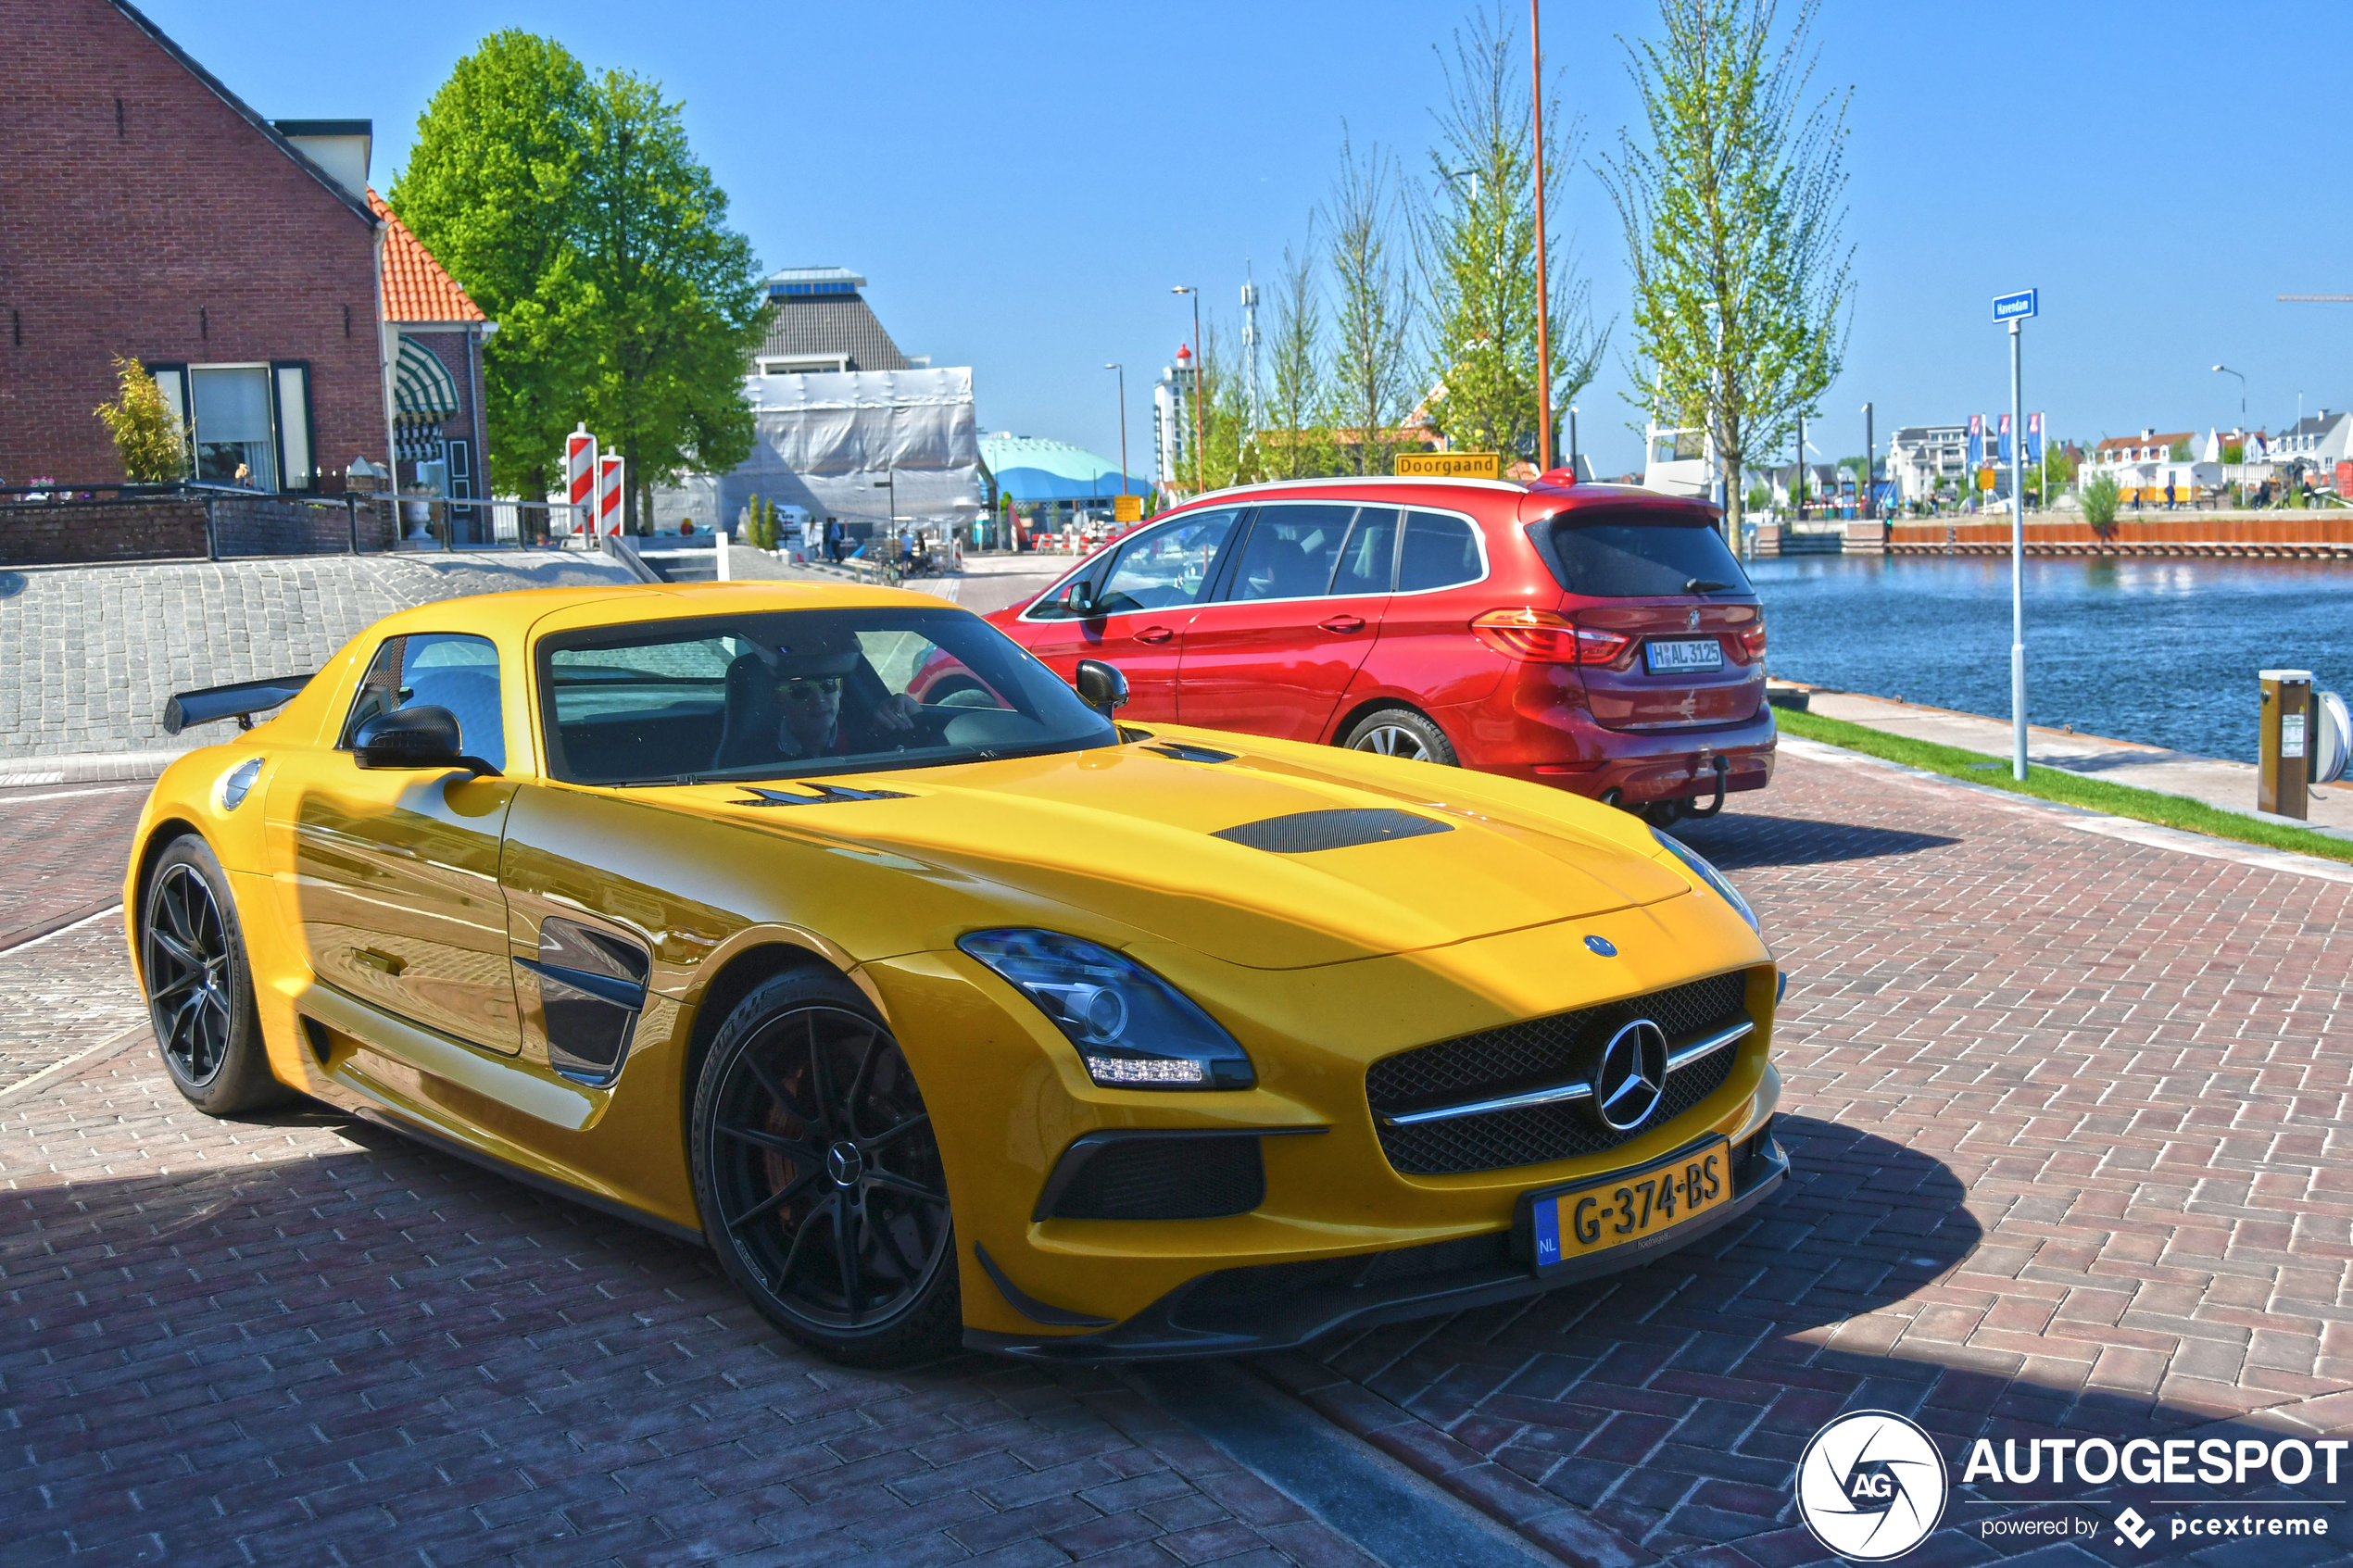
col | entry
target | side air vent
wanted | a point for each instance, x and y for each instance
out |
(1304, 832)
(1184, 753)
(1142, 1176)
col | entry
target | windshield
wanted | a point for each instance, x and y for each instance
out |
(1638, 553)
(800, 694)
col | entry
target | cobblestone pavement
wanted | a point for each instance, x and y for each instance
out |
(2068, 1155)
(61, 854)
(101, 648)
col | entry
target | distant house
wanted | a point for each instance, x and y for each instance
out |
(2319, 442)
(151, 212)
(1919, 457)
(434, 335)
(2143, 467)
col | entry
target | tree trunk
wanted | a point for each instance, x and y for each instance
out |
(1727, 468)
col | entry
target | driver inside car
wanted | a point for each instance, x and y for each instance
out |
(789, 706)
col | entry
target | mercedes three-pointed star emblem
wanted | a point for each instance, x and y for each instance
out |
(1630, 1077)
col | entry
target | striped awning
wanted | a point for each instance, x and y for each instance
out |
(423, 392)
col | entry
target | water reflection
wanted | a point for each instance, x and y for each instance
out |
(2163, 651)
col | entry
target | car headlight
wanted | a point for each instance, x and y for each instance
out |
(1710, 875)
(1133, 1029)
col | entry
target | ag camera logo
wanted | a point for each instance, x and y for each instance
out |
(1871, 1485)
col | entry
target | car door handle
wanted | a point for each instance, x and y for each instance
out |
(1343, 624)
(1154, 634)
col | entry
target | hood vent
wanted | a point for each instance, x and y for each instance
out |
(1304, 832)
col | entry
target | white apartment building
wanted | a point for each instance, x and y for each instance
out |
(1919, 456)
(2143, 465)
(1173, 423)
(2321, 442)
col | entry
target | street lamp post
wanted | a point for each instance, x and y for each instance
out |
(1123, 424)
(1572, 440)
(1870, 441)
(2225, 369)
(1544, 281)
(1200, 481)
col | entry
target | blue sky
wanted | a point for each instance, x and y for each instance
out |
(1023, 185)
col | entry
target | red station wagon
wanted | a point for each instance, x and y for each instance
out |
(1597, 637)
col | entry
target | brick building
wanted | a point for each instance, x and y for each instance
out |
(146, 210)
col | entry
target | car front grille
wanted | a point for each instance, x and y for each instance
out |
(1537, 1054)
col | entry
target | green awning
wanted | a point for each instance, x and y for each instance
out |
(423, 392)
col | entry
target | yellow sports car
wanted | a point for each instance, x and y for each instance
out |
(981, 1017)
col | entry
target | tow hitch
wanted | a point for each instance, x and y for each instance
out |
(1722, 765)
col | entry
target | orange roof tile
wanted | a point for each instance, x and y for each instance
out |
(416, 288)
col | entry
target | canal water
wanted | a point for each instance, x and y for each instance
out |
(2160, 651)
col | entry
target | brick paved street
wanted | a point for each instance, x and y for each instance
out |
(61, 854)
(2069, 1159)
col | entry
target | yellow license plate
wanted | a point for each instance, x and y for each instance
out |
(1634, 1207)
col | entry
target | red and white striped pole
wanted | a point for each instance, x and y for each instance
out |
(609, 482)
(580, 470)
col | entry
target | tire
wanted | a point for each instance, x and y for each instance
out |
(192, 955)
(807, 1127)
(1400, 731)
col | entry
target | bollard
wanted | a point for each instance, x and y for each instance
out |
(2282, 780)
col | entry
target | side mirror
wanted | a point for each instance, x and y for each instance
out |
(1101, 687)
(424, 736)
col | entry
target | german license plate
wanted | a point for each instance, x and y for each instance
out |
(1634, 1208)
(1677, 655)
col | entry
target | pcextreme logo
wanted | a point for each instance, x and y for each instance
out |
(1871, 1485)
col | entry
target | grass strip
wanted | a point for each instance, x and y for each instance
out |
(2058, 783)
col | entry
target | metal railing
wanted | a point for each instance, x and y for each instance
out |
(52, 523)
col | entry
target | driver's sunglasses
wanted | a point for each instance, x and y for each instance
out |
(802, 689)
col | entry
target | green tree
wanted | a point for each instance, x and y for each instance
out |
(1297, 447)
(675, 307)
(2234, 452)
(1476, 245)
(2179, 453)
(148, 441)
(2099, 503)
(493, 190)
(1732, 212)
(1367, 387)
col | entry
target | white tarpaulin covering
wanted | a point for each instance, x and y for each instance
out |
(827, 440)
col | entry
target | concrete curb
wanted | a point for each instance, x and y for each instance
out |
(86, 766)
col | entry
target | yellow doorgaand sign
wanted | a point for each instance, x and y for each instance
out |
(1127, 509)
(1450, 465)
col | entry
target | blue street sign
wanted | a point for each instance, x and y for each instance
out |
(2014, 306)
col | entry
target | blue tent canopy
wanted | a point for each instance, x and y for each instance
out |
(1030, 470)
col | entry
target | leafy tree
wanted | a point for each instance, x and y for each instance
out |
(1296, 446)
(1367, 387)
(675, 309)
(1476, 245)
(1732, 212)
(1229, 450)
(493, 190)
(2099, 503)
(2179, 453)
(2234, 452)
(148, 441)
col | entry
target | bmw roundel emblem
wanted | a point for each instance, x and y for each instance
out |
(1601, 946)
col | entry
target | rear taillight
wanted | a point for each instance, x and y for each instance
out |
(1543, 636)
(1753, 641)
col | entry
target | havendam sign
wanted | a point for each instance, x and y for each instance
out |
(2014, 306)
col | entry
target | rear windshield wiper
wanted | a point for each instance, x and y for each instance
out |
(1705, 586)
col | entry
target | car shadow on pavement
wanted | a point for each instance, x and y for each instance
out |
(1740, 842)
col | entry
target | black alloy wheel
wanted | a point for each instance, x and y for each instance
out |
(820, 1177)
(188, 982)
(200, 997)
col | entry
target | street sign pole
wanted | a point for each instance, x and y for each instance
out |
(2015, 308)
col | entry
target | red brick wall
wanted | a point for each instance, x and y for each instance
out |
(176, 231)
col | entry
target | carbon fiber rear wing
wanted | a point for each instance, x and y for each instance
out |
(240, 701)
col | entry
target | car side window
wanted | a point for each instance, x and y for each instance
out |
(1169, 565)
(436, 669)
(1368, 560)
(1291, 552)
(1439, 552)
